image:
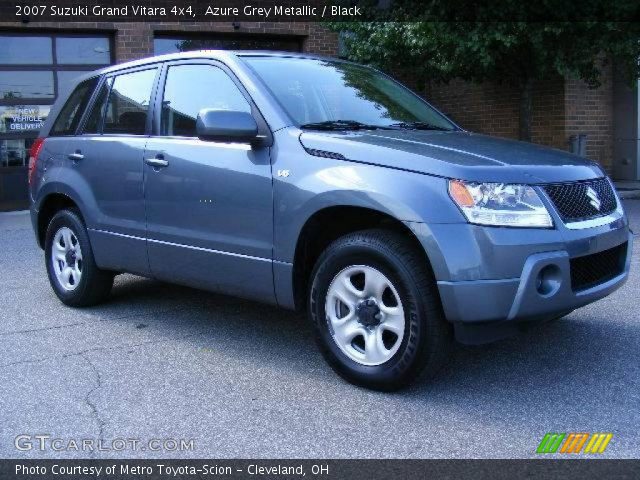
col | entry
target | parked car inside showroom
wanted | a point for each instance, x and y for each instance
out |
(321, 185)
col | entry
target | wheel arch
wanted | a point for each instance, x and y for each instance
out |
(49, 206)
(329, 224)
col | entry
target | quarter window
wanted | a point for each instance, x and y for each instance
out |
(69, 116)
(128, 103)
(191, 88)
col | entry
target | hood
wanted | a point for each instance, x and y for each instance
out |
(457, 154)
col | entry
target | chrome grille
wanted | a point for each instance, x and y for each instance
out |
(580, 200)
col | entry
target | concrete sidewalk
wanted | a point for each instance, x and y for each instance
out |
(628, 189)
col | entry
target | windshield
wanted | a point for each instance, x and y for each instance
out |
(324, 93)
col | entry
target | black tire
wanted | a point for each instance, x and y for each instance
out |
(428, 336)
(95, 284)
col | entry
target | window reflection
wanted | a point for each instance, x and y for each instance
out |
(26, 84)
(189, 89)
(313, 91)
(128, 103)
(29, 66)
(67, 79)
(28, 88)
(93, 123)
(22, 50)
(69, 117)
(83, 50)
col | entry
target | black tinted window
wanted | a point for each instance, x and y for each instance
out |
(69, 116)
(129, 103)
(94, 121)
(189, 89)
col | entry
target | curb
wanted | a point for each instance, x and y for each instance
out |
(14, 212)
(629, 194)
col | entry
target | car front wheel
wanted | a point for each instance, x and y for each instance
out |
(376, 311)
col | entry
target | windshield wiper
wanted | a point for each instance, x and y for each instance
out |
(418, 126)
(340, 125)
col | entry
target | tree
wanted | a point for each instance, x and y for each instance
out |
(517, 53)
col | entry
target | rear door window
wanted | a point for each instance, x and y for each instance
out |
(128, 104)
(70, 115)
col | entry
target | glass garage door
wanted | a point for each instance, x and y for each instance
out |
(34, 70)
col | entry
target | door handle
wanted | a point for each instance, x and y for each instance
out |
(157, 162)
(75, 156)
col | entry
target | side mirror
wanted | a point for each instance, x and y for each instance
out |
(226, 126)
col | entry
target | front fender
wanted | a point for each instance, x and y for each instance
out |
(314, 183)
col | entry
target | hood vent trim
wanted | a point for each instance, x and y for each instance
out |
(324, 154)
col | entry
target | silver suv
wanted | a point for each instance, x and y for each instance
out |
(318, 184)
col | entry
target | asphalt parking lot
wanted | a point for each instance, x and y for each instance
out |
(245, 380)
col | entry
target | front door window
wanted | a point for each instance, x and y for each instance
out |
(189, 89)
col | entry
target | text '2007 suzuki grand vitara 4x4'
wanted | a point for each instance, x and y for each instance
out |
(319, 184)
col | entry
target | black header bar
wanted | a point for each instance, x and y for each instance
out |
(315, 10)
(317, 469)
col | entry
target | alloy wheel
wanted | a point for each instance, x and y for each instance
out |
(365, 315)
(66, 256)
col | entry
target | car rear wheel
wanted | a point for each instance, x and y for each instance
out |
(71, 268)
(376, 311)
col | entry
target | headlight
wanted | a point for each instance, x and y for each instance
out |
(500, 204)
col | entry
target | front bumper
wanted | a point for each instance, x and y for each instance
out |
(521, 298)
(490, 277)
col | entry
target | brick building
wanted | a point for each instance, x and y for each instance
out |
(37, 60)
(562, 108)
